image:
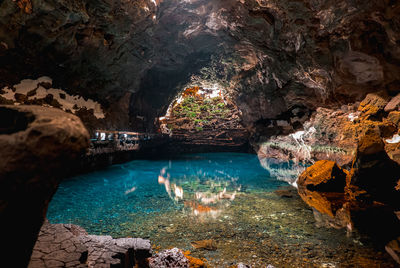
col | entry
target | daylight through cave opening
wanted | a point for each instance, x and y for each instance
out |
(229, 129)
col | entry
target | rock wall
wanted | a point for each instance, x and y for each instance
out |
(39, 146)
(366, 196)
(278, 60)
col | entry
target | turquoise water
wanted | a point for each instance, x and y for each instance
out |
(151, 187)
(224, 197)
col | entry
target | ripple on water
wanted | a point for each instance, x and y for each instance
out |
(224, 197)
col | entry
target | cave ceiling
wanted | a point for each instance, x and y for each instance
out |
(271, 56)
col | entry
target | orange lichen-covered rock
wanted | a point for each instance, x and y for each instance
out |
(194, 262)
(323, 176)
(370, 143)
(322, 186)
(394, 117)
(373, 104)
(25, 5)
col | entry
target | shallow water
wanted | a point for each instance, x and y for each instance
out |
(225, 197)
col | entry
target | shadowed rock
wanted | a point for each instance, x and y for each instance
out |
(67, 245)
(169, 258)
(38, 147)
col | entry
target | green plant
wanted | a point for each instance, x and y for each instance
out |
(221, 105)
(199, 129)
(192, 114)
(188, 100)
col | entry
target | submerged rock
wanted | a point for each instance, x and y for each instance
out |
(204, 244)
(168, 259)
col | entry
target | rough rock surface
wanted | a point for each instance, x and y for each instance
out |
(169, 258)
(323, 176)
(39, 146)
(277, 59)
(393, 248)
(322, 186)
(367, 198)
(67, 245)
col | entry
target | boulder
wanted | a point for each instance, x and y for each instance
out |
(68, 245)
(370, 143)
(323, 176)
(169, 258)
(373, 170)
(322, 186)
(394, 117)
(373, 104)
(393, 248)
(38, 147)
(393, 104)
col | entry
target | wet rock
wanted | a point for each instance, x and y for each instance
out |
(67, 245)
(195, 262)
(169, 258)
(205, 244)
(37, 143)
(285, 193)
(371, 143)
(323, 176)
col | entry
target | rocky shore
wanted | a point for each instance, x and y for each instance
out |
(364, 195)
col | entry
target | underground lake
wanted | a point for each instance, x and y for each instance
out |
(222, 207)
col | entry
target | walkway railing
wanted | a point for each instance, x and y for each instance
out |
(109, 141)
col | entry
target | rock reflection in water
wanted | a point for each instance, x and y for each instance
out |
(219, 206)
(208, 197)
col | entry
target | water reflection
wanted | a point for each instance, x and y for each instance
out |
(199, 185)
(204, 193)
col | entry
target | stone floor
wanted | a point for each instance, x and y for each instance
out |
(67, 245)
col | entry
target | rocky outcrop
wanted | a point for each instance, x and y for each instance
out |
(365, 198)
(67, 245)
(39, 146)
(278, 60)
(322, 186)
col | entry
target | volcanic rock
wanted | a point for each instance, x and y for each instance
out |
(373, 104)
(393, 104)
(393, 248)
(169, 258)
(322, 186)
(37, 143)
(68, 245)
